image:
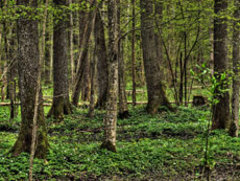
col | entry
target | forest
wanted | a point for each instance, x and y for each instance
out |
(118, 90)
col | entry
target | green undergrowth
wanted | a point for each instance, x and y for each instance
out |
(167, 146)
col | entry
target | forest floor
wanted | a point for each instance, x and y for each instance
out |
(167, 146)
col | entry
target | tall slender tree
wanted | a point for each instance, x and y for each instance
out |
(221, 110)
(123, 107)
(61, 104)
(133, 54)
(155, 87)
(28, 75)
(110, 120)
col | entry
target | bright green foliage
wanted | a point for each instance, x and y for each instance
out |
(165, 146)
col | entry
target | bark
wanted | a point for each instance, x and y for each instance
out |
(221, 112)
(61, 104)
(110, 120)
(86, 81)
(123, 107)
(82, 61)
(133, 55)
(236, 66)
(158, 41)
(101, 53)
(28, 75)
(155, 87)
(92, 96)
(36, 104)
(71, 45)
(47, 73)
(12, 73)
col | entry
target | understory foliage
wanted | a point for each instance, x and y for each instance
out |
(165, 146)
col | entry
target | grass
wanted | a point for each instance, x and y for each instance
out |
(167, 146)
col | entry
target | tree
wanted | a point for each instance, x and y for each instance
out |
(123, 107)
(133, 54)
(82, 60)
(28, 68)
(61, 104)
(221, 111)
(110, 120)
(101, 53)
(236, 65)
(155, 87)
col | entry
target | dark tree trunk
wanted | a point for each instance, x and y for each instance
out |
(133, 55)
(101, 53)
(12, 73)
(86, 82)
(28, 74)
(92, 96)
(61, 104)
(221, 112)
(47, 74)
(236, 65)
(156, 92)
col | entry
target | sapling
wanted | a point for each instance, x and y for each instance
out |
(219, 82)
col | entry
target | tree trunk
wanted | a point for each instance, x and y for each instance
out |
(12, 73)
(92, 96)
(110, 120)
(221, 112)
(61, 104)
(236, 65)
(133, 55)
(82, 60)
(123, 107)
(71, 42)
(156, 92)
(47, 74)
(86, 81)
(101, 53)
(28, 75)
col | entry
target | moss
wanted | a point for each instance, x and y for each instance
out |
(61, 106)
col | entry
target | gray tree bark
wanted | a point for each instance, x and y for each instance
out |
(155, 87)
(61, 104)
(28, 68)
(110, 120)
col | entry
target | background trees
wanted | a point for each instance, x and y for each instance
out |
(150, 52)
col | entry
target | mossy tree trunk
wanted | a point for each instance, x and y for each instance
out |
(221, 110)
(61, 104)
(110, 120)
(236, 66)
(155, 87)
(28, 74)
